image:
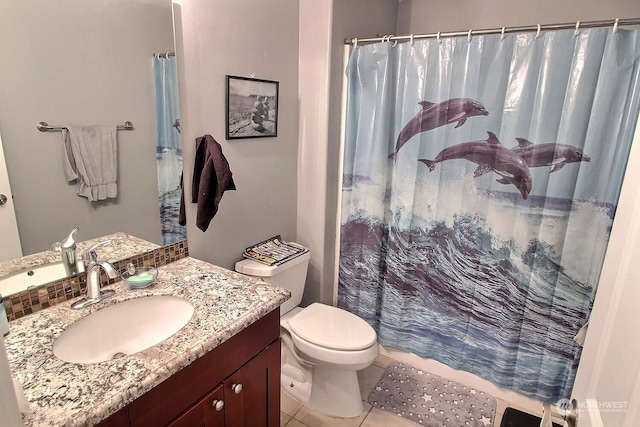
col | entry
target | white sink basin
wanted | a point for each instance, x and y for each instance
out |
(33, 276)
(123, 329)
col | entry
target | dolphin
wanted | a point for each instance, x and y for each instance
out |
(435, 115)
(556, 155)
(490, 155)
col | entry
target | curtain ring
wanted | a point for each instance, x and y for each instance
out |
(469, 36)
(577, 31)
(411, 40)
(395, 42)
(615, 25)
(438, 37)
(538, 32)
(502, 34)
(355, 42)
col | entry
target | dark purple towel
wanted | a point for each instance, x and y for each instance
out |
(211, 178)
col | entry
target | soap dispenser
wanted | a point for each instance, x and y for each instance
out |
(68, 249)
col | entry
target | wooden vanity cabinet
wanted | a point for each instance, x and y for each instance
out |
(250, 359)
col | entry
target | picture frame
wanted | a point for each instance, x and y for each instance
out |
(251, 108)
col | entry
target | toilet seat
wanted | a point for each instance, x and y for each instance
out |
(332, 328)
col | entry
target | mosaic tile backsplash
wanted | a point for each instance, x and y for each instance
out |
(33, 300)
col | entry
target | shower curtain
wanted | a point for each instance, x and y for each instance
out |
(481, 177)
(168, 148)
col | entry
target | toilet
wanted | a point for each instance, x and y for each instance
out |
(323, 346)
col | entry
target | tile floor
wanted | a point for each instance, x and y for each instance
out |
(294, 414)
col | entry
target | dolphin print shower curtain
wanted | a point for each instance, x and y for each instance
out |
(481, 177)
(168, 148)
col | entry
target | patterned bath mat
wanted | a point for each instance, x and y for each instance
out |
(431, 400)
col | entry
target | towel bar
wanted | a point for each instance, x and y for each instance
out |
(44, 127)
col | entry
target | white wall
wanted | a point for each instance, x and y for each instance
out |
(242, 38)
(313, 99)
(323, 28)
(609, 370)
(86, 63)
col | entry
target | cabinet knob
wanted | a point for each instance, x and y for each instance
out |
(218, 404)
(236, 388)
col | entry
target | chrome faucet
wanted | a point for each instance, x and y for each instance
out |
(68, 249)
(93, 268)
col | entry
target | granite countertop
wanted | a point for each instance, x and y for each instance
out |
(122, 246)
(71, 394)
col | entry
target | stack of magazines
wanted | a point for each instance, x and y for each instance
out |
(274, 251)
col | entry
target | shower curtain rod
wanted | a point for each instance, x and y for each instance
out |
(615, 23)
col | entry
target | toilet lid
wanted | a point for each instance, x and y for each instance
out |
(332, 327)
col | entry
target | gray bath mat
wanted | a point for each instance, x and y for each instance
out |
(431, 400)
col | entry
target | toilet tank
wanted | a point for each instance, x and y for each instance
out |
(291, 275)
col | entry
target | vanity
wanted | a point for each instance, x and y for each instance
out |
(221, 369)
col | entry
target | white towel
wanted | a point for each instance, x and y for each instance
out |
(90, 157)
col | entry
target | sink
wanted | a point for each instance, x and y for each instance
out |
(33, 276)
(123, 329)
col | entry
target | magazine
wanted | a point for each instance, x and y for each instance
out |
(274, 251)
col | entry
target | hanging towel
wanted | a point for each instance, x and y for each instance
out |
(90, 158)
(211, 178)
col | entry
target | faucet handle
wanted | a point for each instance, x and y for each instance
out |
(90, 254)
(67, 243)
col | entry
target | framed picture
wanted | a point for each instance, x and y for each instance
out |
(252, 108)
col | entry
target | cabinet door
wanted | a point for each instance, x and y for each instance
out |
(214, 408)
(250, 397)
(208, 412)
(252, 393)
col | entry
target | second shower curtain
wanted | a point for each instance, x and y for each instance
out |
(168, 148)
